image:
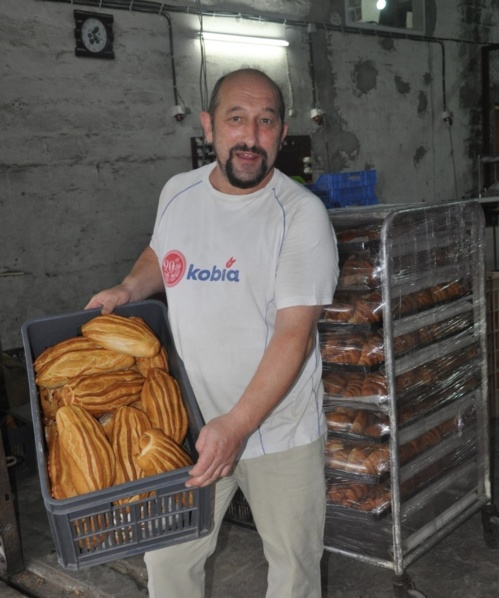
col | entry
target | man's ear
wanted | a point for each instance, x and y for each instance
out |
(207, 126)
(284, 133)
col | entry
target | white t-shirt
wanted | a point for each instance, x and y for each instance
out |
(229, 262)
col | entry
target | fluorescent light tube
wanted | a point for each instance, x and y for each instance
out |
(243, 39)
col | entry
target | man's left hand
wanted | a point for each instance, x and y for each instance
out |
(219, 445)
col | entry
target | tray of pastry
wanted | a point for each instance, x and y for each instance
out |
(355, 387)
(367, 462)
(429, 319)
(453, 326)
(357, 352)
(354, 307)
(445, 354)
(362, 270)
(420, 405)
(346, 495)
(359, 271)
(355, 239)
(374, 500)
(428, 291)
(363, 307)
(357, 424)
(370, 461)
(429, 261)
(450, 417)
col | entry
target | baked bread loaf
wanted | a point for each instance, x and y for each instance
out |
(144, 364)
(129, 425)
(101, 393)
(162, 402)
(85, 449)
(69, 365)
(61, 484)
(159, 453)
(76, 343)
(50, 401)
(125, 335)
(106, 420)
(91, 402)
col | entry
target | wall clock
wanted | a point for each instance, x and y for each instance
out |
(94, 34)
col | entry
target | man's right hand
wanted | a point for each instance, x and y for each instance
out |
(109, 299)
(144, 280)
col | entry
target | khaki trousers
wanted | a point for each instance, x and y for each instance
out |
(287, 496)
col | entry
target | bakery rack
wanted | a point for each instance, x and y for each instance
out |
(424, 266)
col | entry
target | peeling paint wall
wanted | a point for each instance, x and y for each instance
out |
(87, 144)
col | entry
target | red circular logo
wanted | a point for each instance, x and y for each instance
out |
(173, 267)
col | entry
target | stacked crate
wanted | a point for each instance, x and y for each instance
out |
(342, 189)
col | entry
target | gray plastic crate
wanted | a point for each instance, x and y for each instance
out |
(91, 529)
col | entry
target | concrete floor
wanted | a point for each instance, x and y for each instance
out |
(460, 566)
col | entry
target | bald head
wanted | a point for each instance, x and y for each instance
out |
(245, 72)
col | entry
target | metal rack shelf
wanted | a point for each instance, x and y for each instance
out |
(411, 528)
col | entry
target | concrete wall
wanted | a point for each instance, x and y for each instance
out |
(86, 144)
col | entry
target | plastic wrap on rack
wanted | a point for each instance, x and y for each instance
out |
(448, 392)
(360, 351)
(357, 424)
(440, 368)
(447, 440)
(356, 238)
(364, 388)
(353, 307)
(366, 350)
(375, 499)
(371, 499)
(371, 461)
(427, 261)
(358, 532)
(361, 307)
(358, 270)
(406, 301)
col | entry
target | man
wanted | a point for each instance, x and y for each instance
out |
(247, 258)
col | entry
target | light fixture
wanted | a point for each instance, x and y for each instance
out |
(243, 39)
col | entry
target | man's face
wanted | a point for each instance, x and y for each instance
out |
(246, 134)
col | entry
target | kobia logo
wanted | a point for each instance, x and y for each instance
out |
(175, 266)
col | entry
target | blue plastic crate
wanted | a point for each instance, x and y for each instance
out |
(342, 180)
(344, 189)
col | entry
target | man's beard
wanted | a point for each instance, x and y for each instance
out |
(232, 176)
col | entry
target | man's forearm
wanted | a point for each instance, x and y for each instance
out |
(279, 368)
(145, 277)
